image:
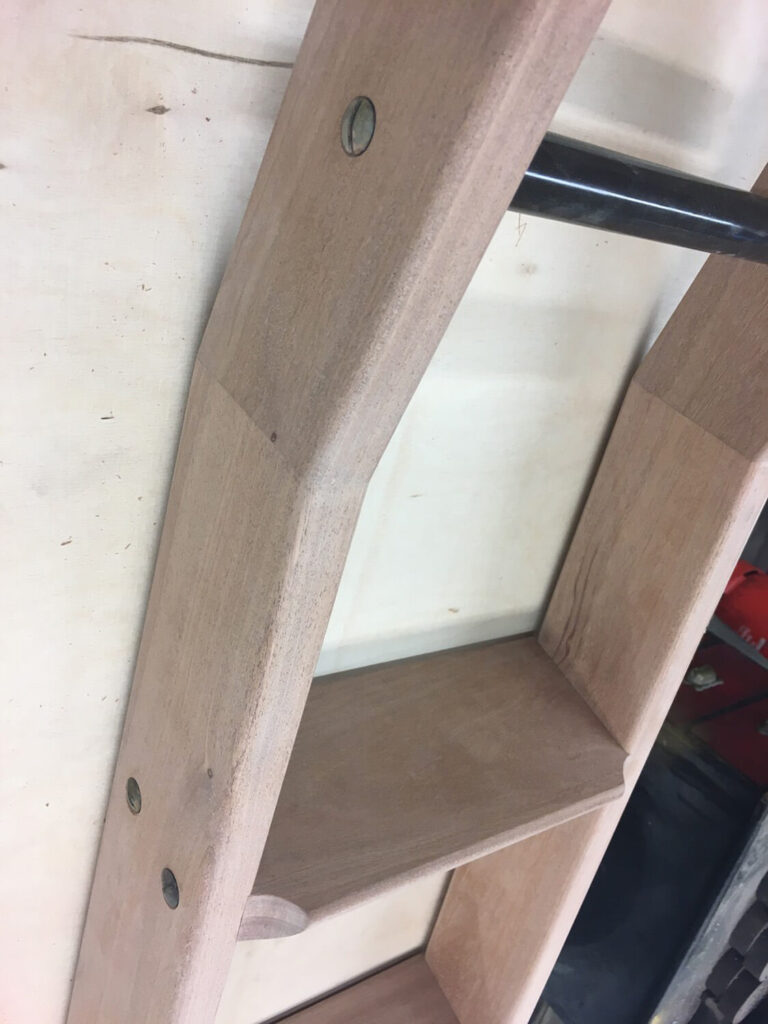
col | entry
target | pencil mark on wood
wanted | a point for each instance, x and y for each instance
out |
(183, 48)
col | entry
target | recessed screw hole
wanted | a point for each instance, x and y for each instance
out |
(170, 888)
(210, 773)
(358, 125)
(273, 438)
(133, 795)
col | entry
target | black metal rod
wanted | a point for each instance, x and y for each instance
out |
(582, 184)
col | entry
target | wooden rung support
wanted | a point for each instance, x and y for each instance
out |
(417, 766)
(404, 994)
(346, 271)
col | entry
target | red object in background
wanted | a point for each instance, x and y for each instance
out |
(742, 680)
(731, 717)
(736, 737)
(744, 605)
(728, 717)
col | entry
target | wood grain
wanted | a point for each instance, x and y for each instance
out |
(500, 927)
(416, 766)
(680, 485)
(404, 994)
(343, 277)
(660, 534)
(711, 361)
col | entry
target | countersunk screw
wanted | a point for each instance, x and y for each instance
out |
(358, 125)
(133, 795)
(170, 888)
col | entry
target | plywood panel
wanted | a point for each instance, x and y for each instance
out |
(478, 489)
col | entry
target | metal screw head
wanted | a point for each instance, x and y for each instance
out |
(357, 126)
(133, 795)
(702, 677)
(170, 888)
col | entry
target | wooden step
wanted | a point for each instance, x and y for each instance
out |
(404, 994)
(420, 765)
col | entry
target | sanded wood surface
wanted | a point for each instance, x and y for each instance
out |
(342, 279)
(404, 994)
(500, 927)
(677, 493)
(661, 532)
(711, 361)
(423, 764)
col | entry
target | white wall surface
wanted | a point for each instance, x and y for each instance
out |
(116, 223)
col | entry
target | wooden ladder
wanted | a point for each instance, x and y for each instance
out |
(231, 815)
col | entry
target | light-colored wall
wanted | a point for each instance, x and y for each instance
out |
(115, 226)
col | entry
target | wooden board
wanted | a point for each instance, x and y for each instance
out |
(419, 765)
(661, 532)
(679, 488)
(404, 994)
(499, 929)
(342, 279)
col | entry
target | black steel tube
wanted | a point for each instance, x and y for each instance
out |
(582, 184)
